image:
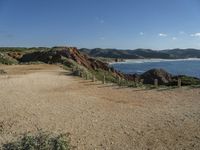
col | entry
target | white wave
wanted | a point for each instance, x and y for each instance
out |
(130, 61)
(140, 71)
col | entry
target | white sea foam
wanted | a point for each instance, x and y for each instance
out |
(130, 61)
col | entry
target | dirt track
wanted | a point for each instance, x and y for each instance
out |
(97, 116)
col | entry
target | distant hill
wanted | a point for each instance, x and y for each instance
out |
(120, 53)
(183, 53)
(142, 53)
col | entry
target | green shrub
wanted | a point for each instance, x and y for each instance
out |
(186, 80)
(32, 63)
(99, 74)
(41, 141)
(7, 61)
(2, 72)
(22, 49)
(70, 64)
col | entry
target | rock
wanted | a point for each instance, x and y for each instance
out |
(15, 55)
(160, 74)
(59, 54)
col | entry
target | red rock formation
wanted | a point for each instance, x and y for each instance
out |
(56, 55)
(15, 55)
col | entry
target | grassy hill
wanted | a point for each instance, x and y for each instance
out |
(142, 53)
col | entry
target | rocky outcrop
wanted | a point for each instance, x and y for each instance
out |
(59, 54)
(15, 55)
(160, 74)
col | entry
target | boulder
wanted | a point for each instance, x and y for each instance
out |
(163, 76)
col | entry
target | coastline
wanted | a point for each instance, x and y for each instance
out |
(188, 67)
(153, 60)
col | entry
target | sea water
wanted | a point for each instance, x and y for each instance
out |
(190, 67)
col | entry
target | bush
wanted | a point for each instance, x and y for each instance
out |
(2, 72)
(41, 141)
(5, 59)
(99, 74)
(186, 80)
(75, 67)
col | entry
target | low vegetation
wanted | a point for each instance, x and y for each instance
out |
(40, 141)
(2, 72)
(22, 49)
(4, 59)
(186, 80)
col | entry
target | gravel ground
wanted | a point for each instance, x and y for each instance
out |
(98, 116)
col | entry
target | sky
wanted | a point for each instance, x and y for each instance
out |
(122, 24)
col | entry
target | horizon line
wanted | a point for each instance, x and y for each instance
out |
(29, 47)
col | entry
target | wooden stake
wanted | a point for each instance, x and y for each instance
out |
(119, 80)
(93, 78)
(86, 76)
(179, 82)
(104, 79)
(156, 83)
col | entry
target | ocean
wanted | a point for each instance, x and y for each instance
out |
(190, 67)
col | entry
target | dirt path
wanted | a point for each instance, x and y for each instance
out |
(98, 116)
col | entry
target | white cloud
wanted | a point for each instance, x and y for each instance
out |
(141, 33)
(162, 35)
(174, 38)
(195, 34)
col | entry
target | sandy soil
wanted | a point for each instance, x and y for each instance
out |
(98, 116)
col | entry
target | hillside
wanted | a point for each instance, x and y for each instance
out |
(183, 53)
(142, 53)
(71, 58)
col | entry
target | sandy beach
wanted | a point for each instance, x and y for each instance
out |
(97, 116)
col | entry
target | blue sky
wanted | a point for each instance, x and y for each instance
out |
(127, 24)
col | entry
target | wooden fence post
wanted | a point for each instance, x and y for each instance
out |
(72, 69)
(81, 74)
(104, 79)
(86, 76)
(136, 81)
(126, 82)
(77, 73)
(156, 83)
(119, 80)
(179, 82)
(93, 78)
(141, 81)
